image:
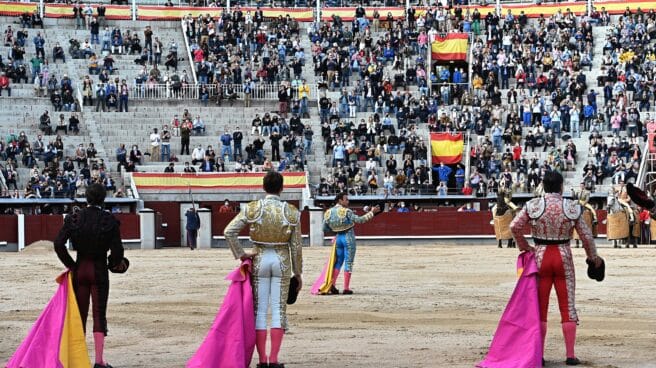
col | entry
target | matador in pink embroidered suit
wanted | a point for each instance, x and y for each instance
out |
(553, 219)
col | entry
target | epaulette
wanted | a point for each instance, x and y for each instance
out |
(292, 214)
(535, 207)
(108, 222)
(253, 211)
(571, 209)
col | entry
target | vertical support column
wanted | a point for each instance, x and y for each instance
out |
(316, 227)
(318, 13)
(21, 232)
(134, 10)
(147, 228)
(41, 9)
(498, 6)
(228, 5)
(205, 231)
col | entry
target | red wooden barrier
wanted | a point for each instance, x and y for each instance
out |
(170, 212)
(221, 220)
(9, 228)
(42, 227)
(129, 225)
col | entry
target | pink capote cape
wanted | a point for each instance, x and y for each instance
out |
(230, 341)
(517, 343)
(56, 340)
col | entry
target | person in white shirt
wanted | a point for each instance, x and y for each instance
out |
(197, 155)
(155, 142)
(199, 125)
(371, 165)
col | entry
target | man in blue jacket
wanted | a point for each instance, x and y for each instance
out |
(193, 224)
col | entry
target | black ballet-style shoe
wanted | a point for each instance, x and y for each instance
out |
(333, 290)
(572, 361)
(276, 365)
(102, 366)
(543, 362)
(347, 292)
(262, 365)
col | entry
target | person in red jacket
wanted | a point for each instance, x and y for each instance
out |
(4, 84)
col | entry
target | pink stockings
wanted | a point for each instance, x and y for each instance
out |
(99, 344)
(276, 341)
(569, 335)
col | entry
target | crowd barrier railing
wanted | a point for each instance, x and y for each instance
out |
(193, 92)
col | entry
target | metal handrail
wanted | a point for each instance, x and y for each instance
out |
(191, 92)
(186, 41)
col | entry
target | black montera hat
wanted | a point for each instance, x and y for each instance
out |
(596, 273)
(639, 197)
(121, 267)
(293, 290)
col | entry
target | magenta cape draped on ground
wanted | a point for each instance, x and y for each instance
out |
(517, 343)
(56, 339)
(230, 341)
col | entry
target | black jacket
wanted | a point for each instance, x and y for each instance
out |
(93, 232)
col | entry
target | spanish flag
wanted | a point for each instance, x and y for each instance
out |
(450, 47)
(56, 339)
(446, 148)
(217, 181)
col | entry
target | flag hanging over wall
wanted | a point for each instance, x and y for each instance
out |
(451, 47)
(446, 147)
(56, 339)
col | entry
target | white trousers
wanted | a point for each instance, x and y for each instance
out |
(271, 279)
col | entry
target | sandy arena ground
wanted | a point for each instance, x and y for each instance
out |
(418, 306)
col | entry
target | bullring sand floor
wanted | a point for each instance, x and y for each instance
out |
(434, 305)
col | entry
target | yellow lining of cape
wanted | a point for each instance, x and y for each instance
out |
(328, 282)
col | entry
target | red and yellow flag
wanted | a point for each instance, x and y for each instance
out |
(217, 181)
(446, 148)
(451, 47)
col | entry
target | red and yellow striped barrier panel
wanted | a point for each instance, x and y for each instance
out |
(217, 181)
(12, 9)
(114, 12)
(174, 13)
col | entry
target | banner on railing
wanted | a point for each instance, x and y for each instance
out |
(113, 12)
(213, 181)
(7, 8)
(146, 12)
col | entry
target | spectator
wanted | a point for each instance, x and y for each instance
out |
(155, 143)
(4, 84)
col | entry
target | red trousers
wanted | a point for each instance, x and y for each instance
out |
(556, 268)
(91, 283)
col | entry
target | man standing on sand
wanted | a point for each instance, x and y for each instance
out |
(275, 232)
(93, 232)
(193, 224)
(341, 220)
(553, 219)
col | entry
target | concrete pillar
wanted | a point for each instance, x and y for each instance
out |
(147, 228)
(21, 232)
(205, 231)
(316, 227)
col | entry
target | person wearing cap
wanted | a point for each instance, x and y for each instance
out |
(93, 232)
(552, 221)
(275, 233)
